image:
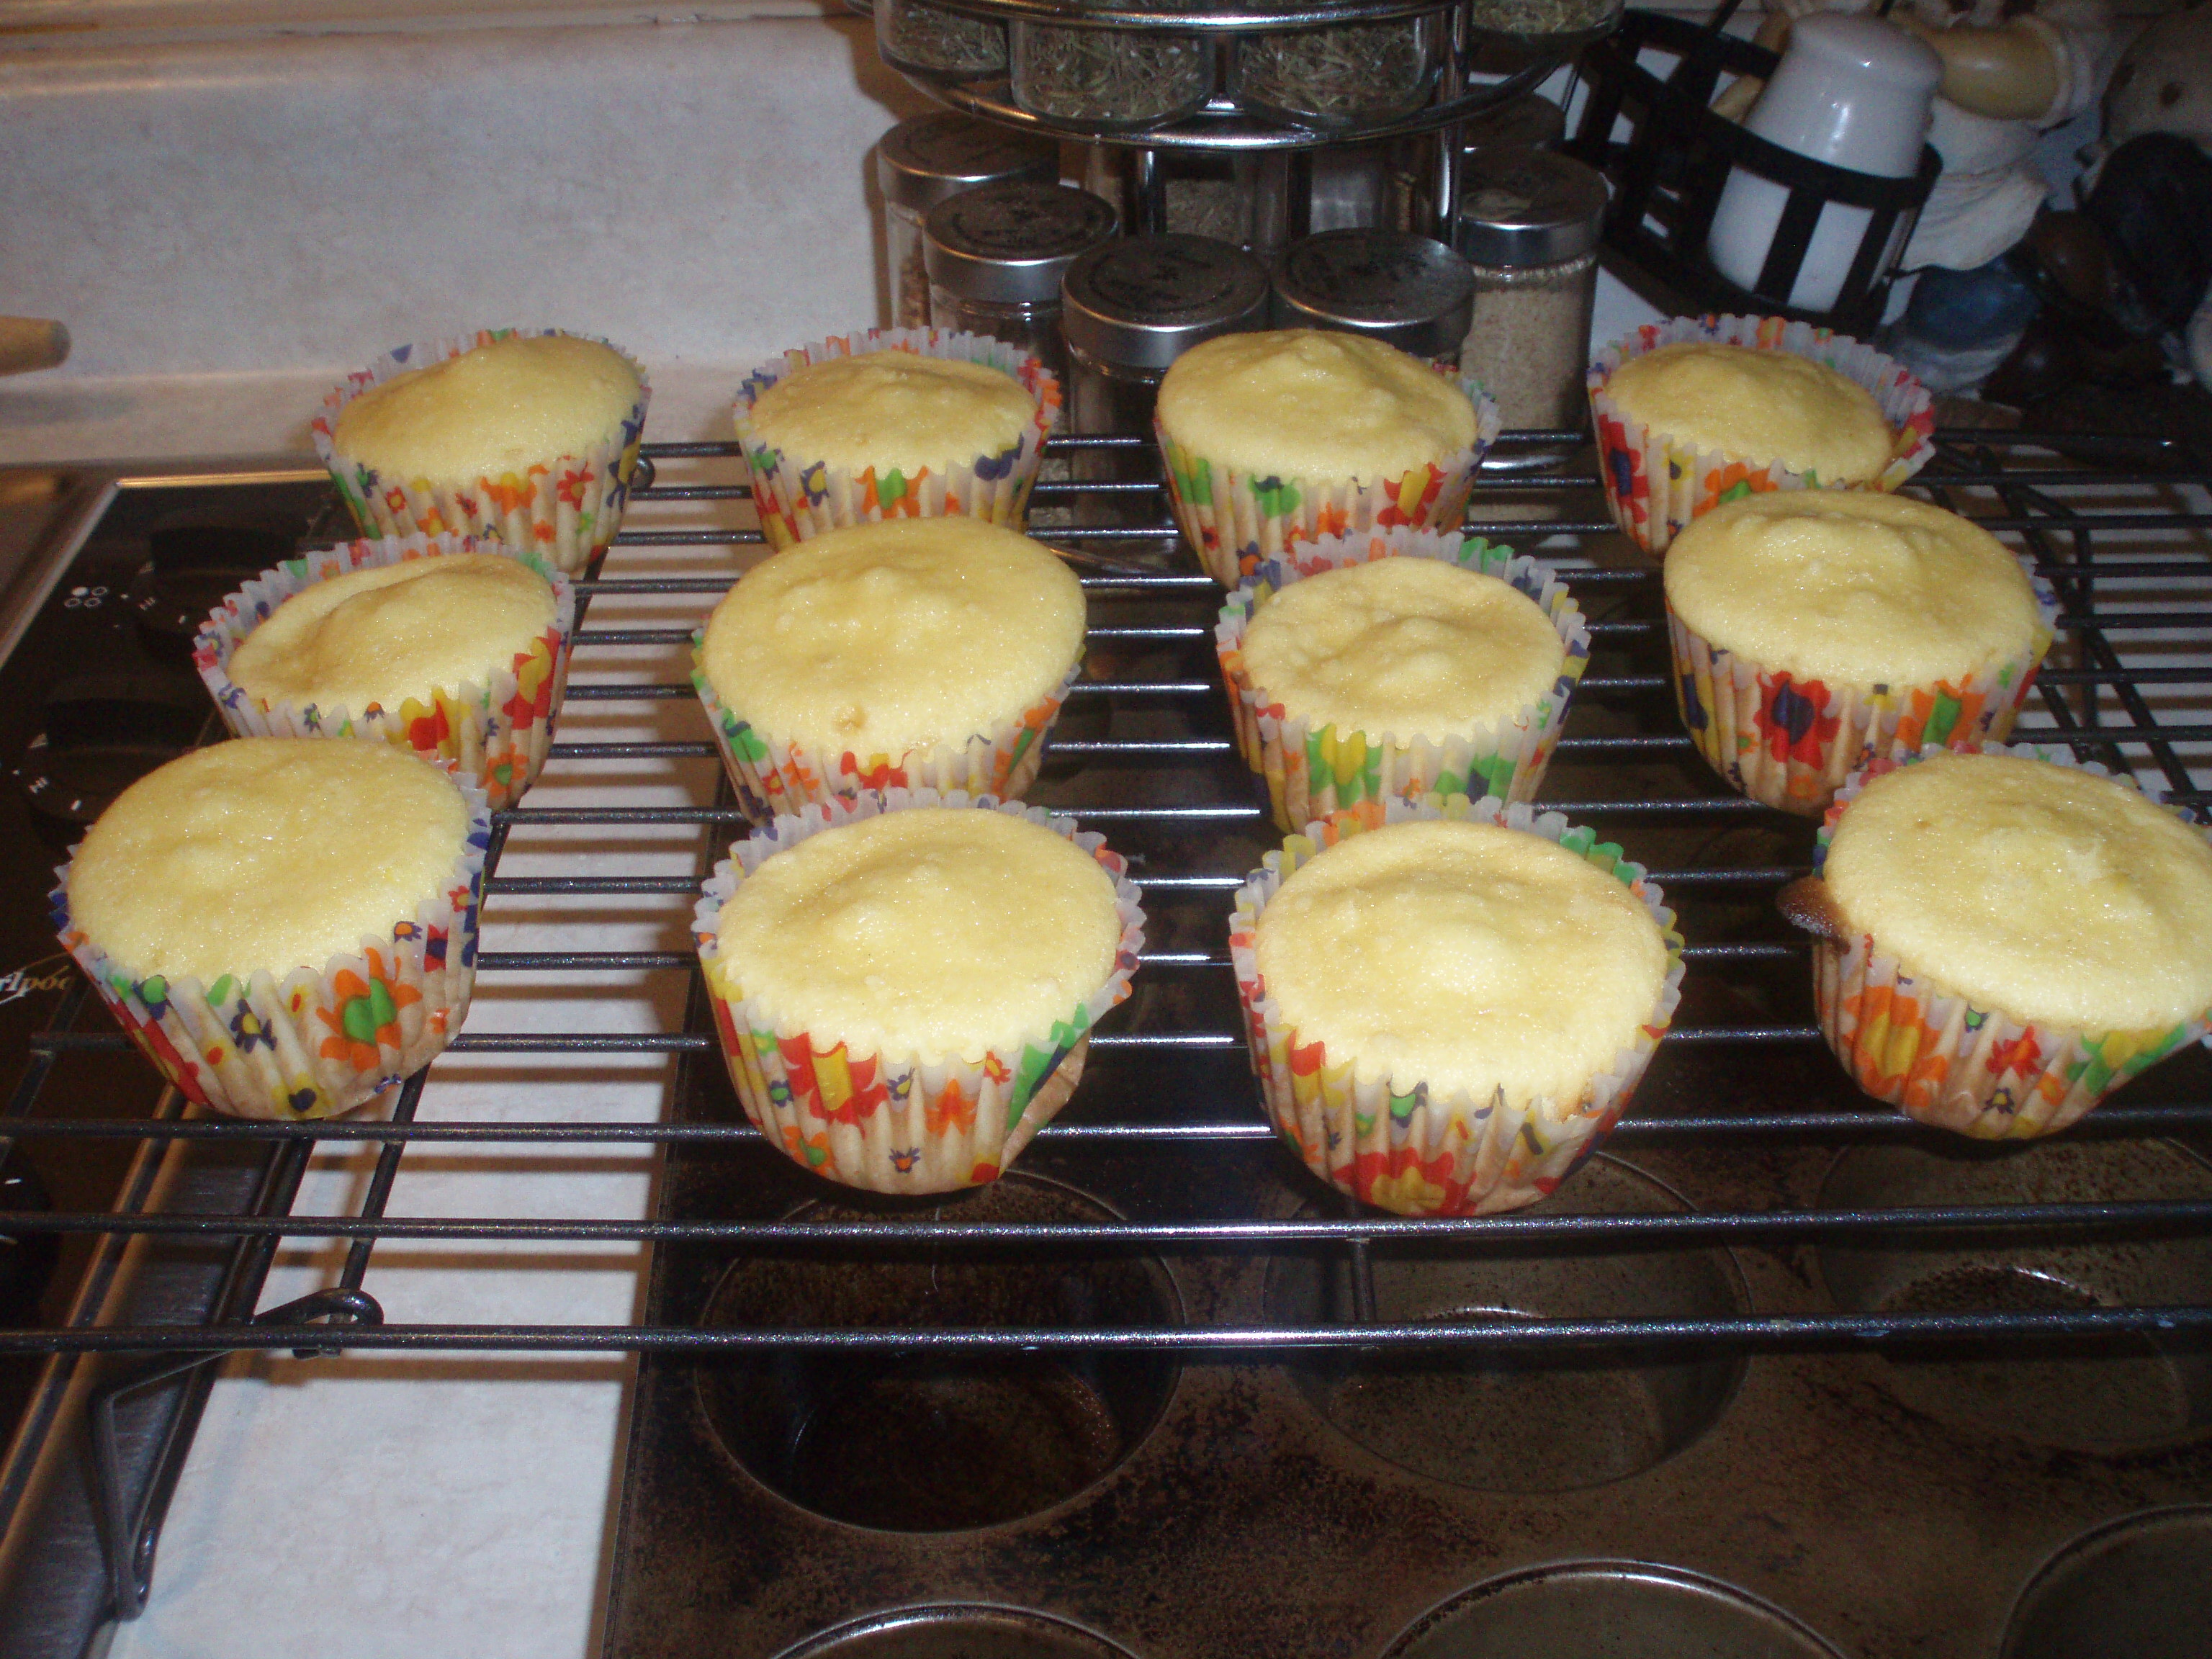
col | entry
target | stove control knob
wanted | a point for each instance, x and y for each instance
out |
(191, 569)
(102, 733)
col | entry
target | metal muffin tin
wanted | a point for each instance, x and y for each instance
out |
(1780, 1374)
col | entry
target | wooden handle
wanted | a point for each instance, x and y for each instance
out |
(28, 342)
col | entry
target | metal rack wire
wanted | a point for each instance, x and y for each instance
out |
(2101, 516)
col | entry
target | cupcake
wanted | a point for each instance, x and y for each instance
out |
(929, 652)
(528, 438)
(460, 654)
(1401, 663)
(2007, 936)
(1817, 631)
(904, 984)
(1274, 439)
(1697, 411)
(1448, 1005)
(894, 423)
(285, 928)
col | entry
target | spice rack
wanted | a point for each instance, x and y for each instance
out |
(1225, 79)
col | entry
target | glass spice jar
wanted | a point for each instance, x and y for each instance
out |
(1528, 224)
(937, 44)
(1131, 307)
(1405, 291)
(1349, 75)
(1119, 80)
(996, 256)
(920, 162)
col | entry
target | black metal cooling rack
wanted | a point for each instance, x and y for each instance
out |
(2101, 515)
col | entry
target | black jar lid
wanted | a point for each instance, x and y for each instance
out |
(1405, 291)
(1528, 207)
(921, 162)
(1142, 301)
(1012, 244)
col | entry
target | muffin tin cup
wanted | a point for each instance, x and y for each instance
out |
(1912, 1041)
(313, 1044)
(1656, 485)
(798, 497)
(1311, 772)
(1233, 519)
(899, 1122)
(497, 734)
(776, 777)
(1389, 1142)
(566, 508)
(1790, 742)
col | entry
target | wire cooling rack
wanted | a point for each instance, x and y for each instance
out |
(2118, 525)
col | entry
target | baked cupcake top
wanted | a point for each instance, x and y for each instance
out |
(2044, 892)
(893, 411)
(494, 409)
(265, 853)
(881, 638)
(937, 931)
(1852, 586)
(1303, 403)
(1468, 956)
(1761, 406)
(379, 636)
(1409, 647)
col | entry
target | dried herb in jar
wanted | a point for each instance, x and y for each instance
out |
(1112, 76)
(931, 38)
(1543, 16)
(1359, 71)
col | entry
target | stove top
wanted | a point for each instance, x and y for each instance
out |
(1158, 1394)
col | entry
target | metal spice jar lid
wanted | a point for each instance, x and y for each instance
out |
(1405, 291)
(1012, 244)
(1142, 301)
(1528, 207)
(921, 162)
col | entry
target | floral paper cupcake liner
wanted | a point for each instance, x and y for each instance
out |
(798, 496)
(776, 777)
(1312, 773)
(316, 1042)
(899, 1122)
(1656, 485)
(1234, 518)
(1391, 1142)
(1910, 1040)
(565, 509)
(1791, 742)
(496, 734)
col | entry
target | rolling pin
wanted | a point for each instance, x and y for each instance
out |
(29, 342)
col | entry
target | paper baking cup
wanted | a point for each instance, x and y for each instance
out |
(1790, 742)
(314, 1043)
(1313, 773)
(1910, 1040)
(565, 509)
(899, 1123)
(1656, 485)
(774, 776)
(1389, 1142)
(1234, 518)
(799, 497)
(496, 733)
